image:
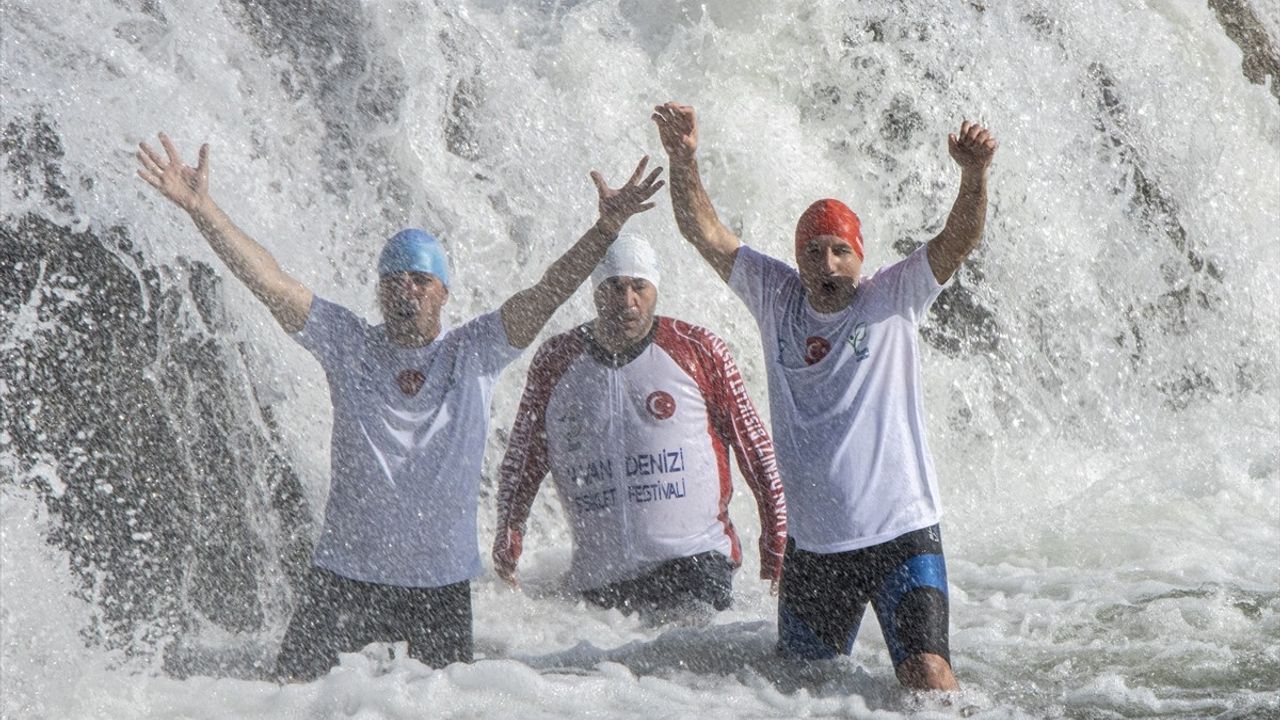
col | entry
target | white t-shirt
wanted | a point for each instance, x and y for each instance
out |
(846, 401)
(639, 450)
(409, 429)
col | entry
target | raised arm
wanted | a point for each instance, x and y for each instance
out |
(972, 150)
(695, 215)
(525, 313)
(188, 188)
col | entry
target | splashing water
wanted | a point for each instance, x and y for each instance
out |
(1101, 377)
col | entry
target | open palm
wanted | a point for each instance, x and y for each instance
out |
(618, 205)
(186, 186)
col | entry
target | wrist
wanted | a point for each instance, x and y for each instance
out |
(973, 181)
(201, 208)
(609, 226)
(683, 158)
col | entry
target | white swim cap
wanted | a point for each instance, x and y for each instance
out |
(629, 256)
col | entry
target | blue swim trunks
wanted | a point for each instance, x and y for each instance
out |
(824, 596)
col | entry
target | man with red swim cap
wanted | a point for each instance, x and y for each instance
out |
(843, 362)
(829, 217)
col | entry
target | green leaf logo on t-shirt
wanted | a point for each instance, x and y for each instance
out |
(858, 341)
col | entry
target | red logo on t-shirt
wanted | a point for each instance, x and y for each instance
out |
(410, 382)
(660, 404)
(816, 348)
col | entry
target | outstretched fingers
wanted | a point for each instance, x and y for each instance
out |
(151, 179)
(170, 150)
(150, 159)
(645, 189)
(151, 169)
(602, 188)
(644, 162)
(650, 187)
(202, 167)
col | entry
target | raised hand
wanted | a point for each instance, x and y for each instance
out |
(617, 206)
(678, 128)
(973, 148)
(186, 186)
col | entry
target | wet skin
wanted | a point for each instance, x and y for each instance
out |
(829, 272)
(624, 311)
(411, 303)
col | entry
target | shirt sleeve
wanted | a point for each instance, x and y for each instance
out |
(483, 342)
(739, 426)
(910, 283)
(331, 333)
(760, 280)
(526, 463)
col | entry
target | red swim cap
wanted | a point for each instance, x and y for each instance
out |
(830, 217)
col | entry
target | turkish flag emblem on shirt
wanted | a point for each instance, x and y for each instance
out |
(410, 381)
(816, 348)
(660, 404)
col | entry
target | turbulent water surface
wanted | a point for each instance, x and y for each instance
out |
(1102, 377)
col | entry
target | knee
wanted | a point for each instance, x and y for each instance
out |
(926, 671)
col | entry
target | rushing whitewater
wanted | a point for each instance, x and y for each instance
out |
(1102, 379)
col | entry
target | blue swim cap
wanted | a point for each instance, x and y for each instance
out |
(413, 250)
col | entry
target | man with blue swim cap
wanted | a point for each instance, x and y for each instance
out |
(398, 547)
(414, 250)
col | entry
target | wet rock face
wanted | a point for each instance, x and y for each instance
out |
(123, 402)
(1261, 54)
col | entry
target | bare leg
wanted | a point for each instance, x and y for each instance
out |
(926, 671)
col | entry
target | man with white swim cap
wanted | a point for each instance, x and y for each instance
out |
(843, 361)
(411, 400)
(634, 415)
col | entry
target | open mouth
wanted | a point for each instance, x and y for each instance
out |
(829, 286)
(405, 308)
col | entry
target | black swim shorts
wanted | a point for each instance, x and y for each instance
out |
(338, 615)
(707, 577)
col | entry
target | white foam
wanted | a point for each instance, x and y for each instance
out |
(1113, 544)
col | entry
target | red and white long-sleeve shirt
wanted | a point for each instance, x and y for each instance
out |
(638, 448)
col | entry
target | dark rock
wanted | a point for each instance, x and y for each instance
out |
(1261, 57)
(174, 497)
